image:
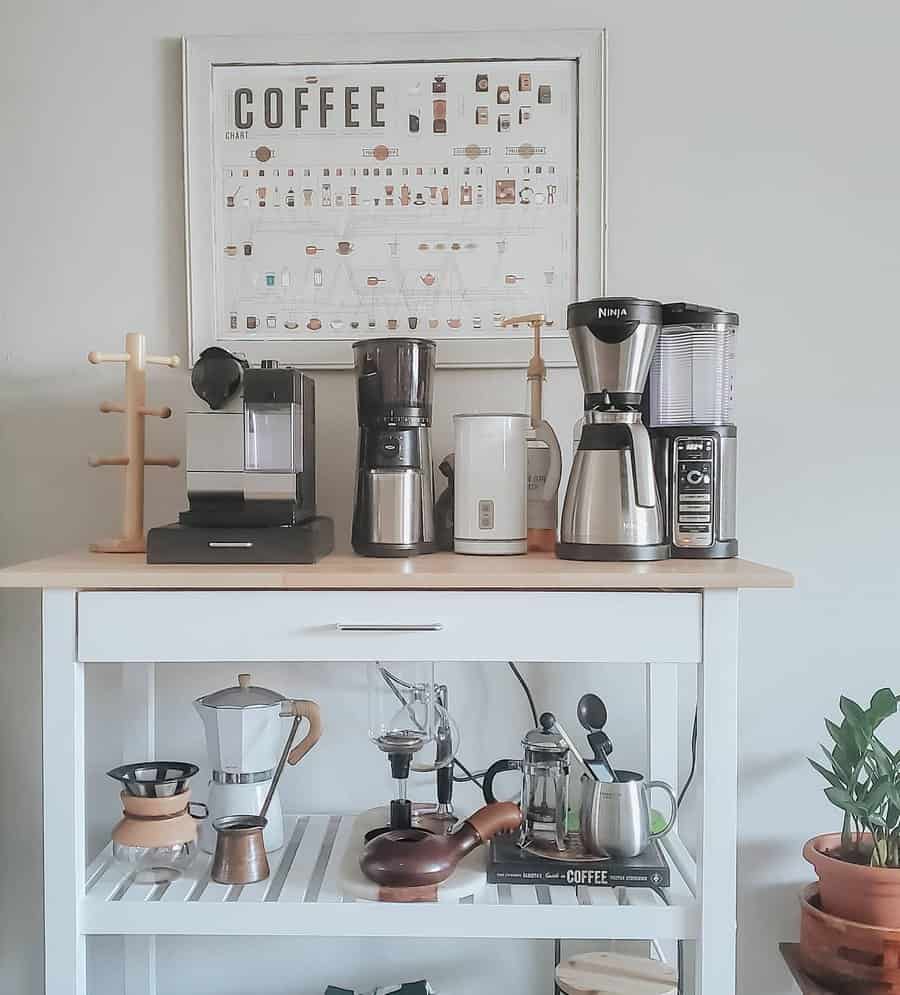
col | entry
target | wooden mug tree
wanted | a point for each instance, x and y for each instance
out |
(537, 368)
(135, 410)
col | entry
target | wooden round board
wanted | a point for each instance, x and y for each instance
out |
(615, 974)
(469, 877)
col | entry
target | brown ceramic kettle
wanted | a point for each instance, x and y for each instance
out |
(408, 858)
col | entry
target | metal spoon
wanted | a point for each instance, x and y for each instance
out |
(549, 719)
(591, 712)
(592, 715)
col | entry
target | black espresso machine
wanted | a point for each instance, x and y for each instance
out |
(251, 468)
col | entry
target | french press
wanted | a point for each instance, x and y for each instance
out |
(545, 784)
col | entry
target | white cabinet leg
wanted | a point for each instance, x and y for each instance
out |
(139, 743)
(662, 750)
(63, 764)
(140, 965)
(662, 724)
(718, 768)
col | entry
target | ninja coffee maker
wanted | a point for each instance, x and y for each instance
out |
(251, 468)
(612, 509)
(689, 404)
(393, 513)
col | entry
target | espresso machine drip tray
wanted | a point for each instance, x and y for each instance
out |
(306, 543)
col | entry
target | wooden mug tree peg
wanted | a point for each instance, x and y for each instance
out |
(537, 368)
(135, 410)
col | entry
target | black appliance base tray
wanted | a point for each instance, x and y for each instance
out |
(306, 543)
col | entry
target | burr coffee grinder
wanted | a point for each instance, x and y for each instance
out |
(393, 513)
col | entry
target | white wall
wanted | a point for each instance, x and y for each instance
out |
(754, 159)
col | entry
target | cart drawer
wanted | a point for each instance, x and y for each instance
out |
(238, 626)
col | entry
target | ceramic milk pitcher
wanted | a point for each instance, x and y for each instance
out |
(615, 816)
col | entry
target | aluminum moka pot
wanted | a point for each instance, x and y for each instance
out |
(545, 784)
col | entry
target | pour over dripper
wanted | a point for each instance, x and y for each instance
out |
(156, 838)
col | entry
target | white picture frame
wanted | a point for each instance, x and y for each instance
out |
(202, 56)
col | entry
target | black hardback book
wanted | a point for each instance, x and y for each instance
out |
(508, 863)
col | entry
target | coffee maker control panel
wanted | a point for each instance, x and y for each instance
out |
(694, 475)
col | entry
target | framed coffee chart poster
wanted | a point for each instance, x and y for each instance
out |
(342, 188)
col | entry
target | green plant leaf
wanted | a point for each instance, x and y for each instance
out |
(874, 797)
(883, 757)
(892, 816)
(829, 776)
(883, 704)
(842, 736)
(852, 712)
(841, 798)
(840, 762)
(862, 737)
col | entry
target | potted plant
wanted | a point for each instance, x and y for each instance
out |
(850, 920)
(859, 868)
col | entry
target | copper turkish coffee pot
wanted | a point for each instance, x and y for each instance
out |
(410, 858)
(240, 856)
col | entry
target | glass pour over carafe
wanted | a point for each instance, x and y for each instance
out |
(545, 785)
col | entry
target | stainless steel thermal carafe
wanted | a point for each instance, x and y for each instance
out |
(611, 509)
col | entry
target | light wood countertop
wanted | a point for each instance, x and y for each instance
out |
(81, 570)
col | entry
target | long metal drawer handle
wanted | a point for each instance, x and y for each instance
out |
(424, 627)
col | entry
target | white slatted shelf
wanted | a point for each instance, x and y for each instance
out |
(302, 896)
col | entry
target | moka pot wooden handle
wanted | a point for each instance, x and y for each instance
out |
(308, 710)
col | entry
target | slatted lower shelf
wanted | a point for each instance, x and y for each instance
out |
(302, 896)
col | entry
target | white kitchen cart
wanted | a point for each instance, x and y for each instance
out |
(657, 615)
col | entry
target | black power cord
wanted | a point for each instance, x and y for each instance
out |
(468, 775)
(527, 691)
(690, 776)
(475, 778)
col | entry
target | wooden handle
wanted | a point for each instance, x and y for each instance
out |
(163, 412)
(308, 710)
(161, 461)
(498, 817)
(107, 461)
(524, 319)
(108, 357)
(111, 407)
(172, 361)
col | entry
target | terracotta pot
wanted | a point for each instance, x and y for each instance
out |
(863, 894)
(847, 957)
